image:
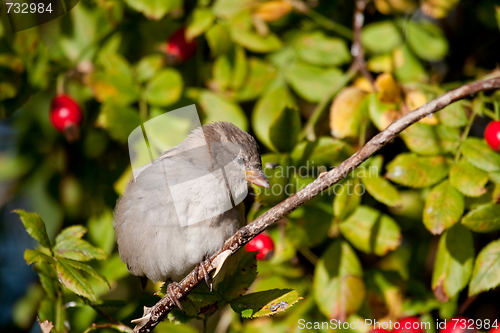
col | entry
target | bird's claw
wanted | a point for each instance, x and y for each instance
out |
(172, 294)
(208, 278)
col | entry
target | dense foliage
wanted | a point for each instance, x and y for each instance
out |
(414, 231)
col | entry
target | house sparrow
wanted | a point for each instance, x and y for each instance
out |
(184, 205)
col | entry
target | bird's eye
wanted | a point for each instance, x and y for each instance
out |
(239, 159)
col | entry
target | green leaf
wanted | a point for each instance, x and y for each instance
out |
(113, 62)
(229, 8)
(218, 40)
(113, 88)
(453, 265)
(74, 281)
(218, 108)
(165, 88)
(285, 129)
(381, 63)
(414, 171)
(10, 84)
(407, 67)
(101, 231)
(237, 284)
(382, 190)
(86, 268)
(265, 111)
(221, 72)
(381, 114)
(453, 115)
(311, 82)
(49, 284)
(153, 9)
(425, 139)
(347, 199)
(370, 231)
(468, 179)
(443, 208)
(240, 68)
(479, 154)
(265, 303)
(201, 19)
(119, 121)
(35, 227)
(148, 66)
(484, 218)
(35, 256)
(78, 249)
(327, 152)
(338, 287)
(485, 275)
(426, 40)
(497, 15)
(74, 231)
(277, 177)
(318, 49)
(260, 75)
(380, 37)
(253, 41)
(309, 226)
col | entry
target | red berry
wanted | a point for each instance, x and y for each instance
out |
(459, 324)
(178, 48)
(262, 243)
(408, 325)
(64, 112)
(492, 135)
(495, 329)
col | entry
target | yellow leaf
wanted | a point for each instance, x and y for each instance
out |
(388, 88)
(387, 7)
(388, 117)
(380, 63)
(273, 10)
(363, 84)
(121, 183)
(344, 114)
(415, 99)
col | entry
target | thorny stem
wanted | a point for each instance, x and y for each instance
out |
(325, 180)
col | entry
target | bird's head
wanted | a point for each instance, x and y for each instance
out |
(241, 144)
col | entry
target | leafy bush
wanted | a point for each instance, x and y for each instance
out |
(412, 232)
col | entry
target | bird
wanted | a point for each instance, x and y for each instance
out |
(180, 209)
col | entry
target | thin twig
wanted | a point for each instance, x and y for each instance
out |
(357, 51)
(465, 305)
(358, 66)
(156, 313)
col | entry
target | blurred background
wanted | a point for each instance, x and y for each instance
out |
(273, 69)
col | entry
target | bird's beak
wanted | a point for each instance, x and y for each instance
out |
(257, 177)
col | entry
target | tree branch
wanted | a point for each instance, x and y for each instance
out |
(155, 314)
